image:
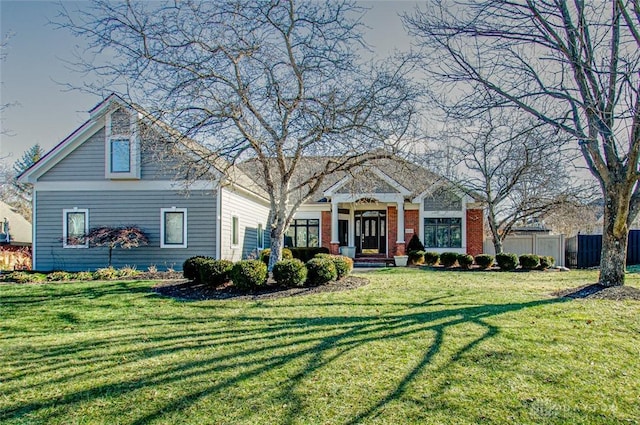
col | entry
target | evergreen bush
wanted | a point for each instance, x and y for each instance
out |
(320, 271)
(465, 260)
(484, 261)
(529, 261)
(249, 274)
(448, 259)
(191, 267)
(290, 273)
(547, 261)
(214, 272)
(507, 261)
(431, 258)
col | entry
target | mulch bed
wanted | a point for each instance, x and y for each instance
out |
(600, 292)
(186, 290)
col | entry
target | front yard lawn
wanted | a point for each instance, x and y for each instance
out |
(413, 346)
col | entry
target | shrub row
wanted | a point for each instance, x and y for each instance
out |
(506, 261)
(252, 274)
(107, 273)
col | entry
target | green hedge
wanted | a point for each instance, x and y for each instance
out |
(214, 272)
(484, 261)
(249, 274)
(507, 261)
(448, 259)
(320, 271)
(465, 260)
(547, 261)
(431, 258)
(290, 273)
(416, 257)
(191, 267)
(529, 261)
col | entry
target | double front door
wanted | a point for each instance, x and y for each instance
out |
(371, 231)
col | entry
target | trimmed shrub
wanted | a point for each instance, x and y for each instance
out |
(415, 257)
(320, 271)
(191, 267)
(415, 244)
(214, 272)
(431, 258)
(343, 264)
(484, 261)
(82, 276)
(529, 261)
(547, 261)
(266, 253)
(465, 260)
(507, 261)
(105, 273)
(448, 259)
(305, 254)
(249, 274)
(59, 276)
(290, 273)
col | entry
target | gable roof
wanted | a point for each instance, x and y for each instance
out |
(232, 175)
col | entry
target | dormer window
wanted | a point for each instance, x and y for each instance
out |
(122, 151)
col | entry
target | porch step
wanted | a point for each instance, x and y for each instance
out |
(373, 261)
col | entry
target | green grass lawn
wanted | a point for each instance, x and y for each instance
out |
(414, 346)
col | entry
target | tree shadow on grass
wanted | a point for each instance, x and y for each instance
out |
(255, 346)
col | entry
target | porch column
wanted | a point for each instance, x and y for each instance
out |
(400, 249)
(335, 238)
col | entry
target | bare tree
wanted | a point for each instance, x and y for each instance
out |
(571, 65)
(271, 81)
(513, 166)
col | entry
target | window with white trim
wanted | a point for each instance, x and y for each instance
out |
(121, 146)
(173, 227)
(260, 241)
(235, 230)
(75, 225)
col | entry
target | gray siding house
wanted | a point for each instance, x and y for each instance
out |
(102, 175)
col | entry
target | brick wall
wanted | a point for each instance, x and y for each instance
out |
(475, 231)
(411, 221)
(326, 229)
(392, 230)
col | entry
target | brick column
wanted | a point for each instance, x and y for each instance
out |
(392, 230)
(412, 221)
(325, 231)
(475, 231)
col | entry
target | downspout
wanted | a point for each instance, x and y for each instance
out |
(33, 228)
(219, 221)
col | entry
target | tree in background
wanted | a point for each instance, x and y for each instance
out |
(574, 66)
(271, 81)
(19, 195)
(516, 168)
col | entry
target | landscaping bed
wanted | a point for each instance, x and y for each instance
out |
(186, 290)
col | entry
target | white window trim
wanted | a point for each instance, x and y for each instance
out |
(184, 227)
(64, 226)
(237, 243)
(134, 149)
(260, 236)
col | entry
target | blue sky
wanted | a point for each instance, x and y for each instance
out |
(34, 72)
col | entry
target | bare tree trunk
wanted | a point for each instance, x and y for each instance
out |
(495, 234)
(613, 257)
(277, 239)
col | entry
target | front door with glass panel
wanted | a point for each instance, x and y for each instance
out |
(371, 230)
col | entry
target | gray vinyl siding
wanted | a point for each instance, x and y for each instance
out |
(87, 163)
(115, 208)
(250, 213)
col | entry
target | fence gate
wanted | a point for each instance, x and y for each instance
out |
(583, 251)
